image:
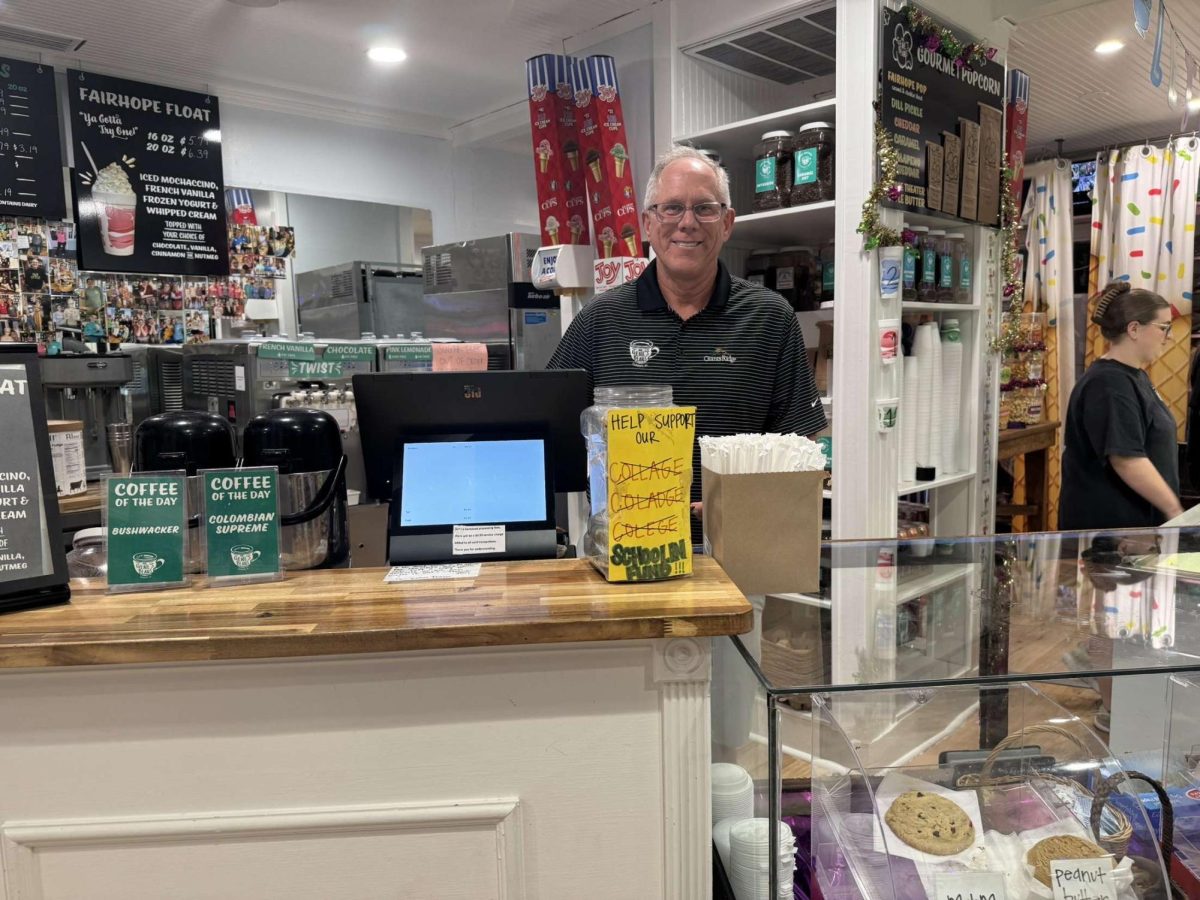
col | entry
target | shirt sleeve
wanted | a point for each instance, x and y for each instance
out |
(1113, 419)
(795, 403)
(575, 350)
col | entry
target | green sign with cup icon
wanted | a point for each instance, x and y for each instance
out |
(241, 523)
(146, 517)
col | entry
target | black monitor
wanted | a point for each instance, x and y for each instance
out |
(394, 404)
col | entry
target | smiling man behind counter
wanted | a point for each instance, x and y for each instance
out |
(725, 345)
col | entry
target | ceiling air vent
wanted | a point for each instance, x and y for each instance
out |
(787, 50)
(40, 40)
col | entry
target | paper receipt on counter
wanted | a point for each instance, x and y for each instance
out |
(398, 574)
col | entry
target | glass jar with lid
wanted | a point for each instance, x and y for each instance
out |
(960, 275)
(793, 276)
(947, 268)
(911, 280)
(812, 169)
(773, 171)
(760, 268)
(931, 249)
(88, 557)
(593, 422)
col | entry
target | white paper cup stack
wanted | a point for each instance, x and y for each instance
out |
(908, 422)
(732, 792)
(751, 858)
(952, 364)
(935, 400)
(923, 350)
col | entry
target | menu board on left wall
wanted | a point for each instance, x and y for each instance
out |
(31, 176)
(149, 187)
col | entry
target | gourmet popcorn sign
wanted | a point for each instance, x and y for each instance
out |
(148, 177)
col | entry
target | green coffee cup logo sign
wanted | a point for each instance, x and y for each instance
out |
(765, 175)
(241, 522)
(147, 530)
(349, 353)
(318, 368)
(287, 350)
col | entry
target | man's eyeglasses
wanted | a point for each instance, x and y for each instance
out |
(673, 212)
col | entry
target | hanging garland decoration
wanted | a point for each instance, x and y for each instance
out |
(942, 41)
(1008, 338)
(875, 233)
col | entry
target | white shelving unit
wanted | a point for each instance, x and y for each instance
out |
(802, 225)
(865, 465)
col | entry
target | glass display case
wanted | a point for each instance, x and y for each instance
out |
(954, 715)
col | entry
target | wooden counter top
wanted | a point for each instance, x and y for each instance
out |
(353, 611)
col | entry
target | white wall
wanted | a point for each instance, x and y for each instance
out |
(337, 231)
(470, 193)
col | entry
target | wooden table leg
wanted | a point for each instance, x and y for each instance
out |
(1036, 488)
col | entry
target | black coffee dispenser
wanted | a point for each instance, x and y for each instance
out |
(186, 440)
(306, 446)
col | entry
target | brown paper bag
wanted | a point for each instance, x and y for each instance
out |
(765, 529)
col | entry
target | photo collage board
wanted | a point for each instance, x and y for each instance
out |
(45, 297)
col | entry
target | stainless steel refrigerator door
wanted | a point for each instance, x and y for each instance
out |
(535, 333)
(392, 307)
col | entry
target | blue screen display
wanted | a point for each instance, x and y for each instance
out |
(473, 483)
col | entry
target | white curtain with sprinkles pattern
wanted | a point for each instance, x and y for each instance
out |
(1144, 218)
(1049, 244)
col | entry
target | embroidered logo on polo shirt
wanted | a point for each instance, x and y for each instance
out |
(719, 354)
(642, 352)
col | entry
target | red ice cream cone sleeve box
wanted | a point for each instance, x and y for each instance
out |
(603, 149)
(562, 204)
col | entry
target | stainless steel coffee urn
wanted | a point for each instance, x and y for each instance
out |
(306, 446)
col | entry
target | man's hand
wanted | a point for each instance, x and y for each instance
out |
(697, 510)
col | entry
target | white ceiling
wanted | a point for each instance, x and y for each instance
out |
(465, 57)
(1091, 100)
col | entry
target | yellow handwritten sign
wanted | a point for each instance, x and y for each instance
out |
(649, 489)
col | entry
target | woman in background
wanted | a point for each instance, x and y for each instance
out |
(1120, 464)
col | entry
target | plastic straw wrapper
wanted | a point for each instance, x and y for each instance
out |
(742, 454)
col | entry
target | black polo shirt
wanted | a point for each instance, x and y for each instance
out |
(740, 361)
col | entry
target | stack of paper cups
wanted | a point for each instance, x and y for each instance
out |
(908, 422)
(952, 362)
(923, 350)
(935, 402)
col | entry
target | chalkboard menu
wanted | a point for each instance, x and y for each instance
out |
(33, 569)
(148, 179)
(31, 173)
(942, 119)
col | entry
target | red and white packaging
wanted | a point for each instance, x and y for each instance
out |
(556, 155)
(1016, 114)
(617, 270)
(603, 147)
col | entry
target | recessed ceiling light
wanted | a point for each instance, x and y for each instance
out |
(386, 55)
(1106, 47)
(1194, 104)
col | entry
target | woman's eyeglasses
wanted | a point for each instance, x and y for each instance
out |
(673, 212)
(1165, 327)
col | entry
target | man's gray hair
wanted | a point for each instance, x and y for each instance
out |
(676, 153)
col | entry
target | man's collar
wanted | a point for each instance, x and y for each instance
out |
(650, 296)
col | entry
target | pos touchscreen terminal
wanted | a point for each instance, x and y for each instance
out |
(471, 462)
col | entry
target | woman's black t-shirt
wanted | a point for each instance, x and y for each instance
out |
(1113, 411)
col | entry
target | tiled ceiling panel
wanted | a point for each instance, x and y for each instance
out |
(1091, 100)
